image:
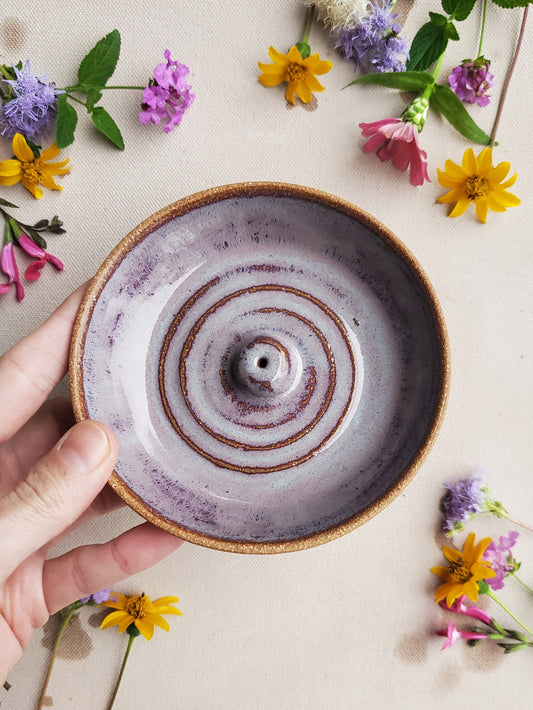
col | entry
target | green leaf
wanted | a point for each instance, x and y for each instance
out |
(97, 66)
(427, 46)
(93, 97)
(66, 121)
(512, 3)
(404, 80)
(445, 102)
(450, 32)
(106, 125)
(5, 203)
(438, 19)
(37, 238)
(458, 9)
(482, 586)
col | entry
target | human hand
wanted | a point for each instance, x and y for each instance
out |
(52, 478)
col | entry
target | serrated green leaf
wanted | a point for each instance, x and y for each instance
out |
(458, 9)
(438, 19)
(66, 121)
(512, 3)
(5, 203)
(450, 32)
(93, 97)
(427, 46)
(37, 238)
(404, 80)
(106, 125)
(445, 102)
(99, 64)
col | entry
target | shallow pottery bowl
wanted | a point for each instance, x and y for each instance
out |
(273, 361)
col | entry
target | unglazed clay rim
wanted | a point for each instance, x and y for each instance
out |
(211, 196)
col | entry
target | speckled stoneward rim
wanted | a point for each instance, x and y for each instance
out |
(211, 196)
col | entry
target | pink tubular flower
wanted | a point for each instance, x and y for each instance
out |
(474, 612)
(397, 140)
(453, 634)
(10, 269)
(167, 95)
(33, 271)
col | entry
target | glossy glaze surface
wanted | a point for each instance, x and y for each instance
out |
(273, 361)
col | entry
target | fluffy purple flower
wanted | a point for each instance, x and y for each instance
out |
(501, 560)
(97, 597)
(471, 80)
(167, 95)
(33, 106)
(462, 500)
(374, 44)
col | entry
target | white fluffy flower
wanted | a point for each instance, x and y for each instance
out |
(339, 13)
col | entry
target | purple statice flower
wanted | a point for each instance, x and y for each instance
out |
(462, 500)
(167, 95)
(374, 44)
(471, 80)
(501, 560)
(97, 597)
(33, 105)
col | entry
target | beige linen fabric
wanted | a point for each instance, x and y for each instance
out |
(350, 624)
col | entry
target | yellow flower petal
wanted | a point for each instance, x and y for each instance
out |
(304, 93)
(271, 79)
(158, 621)
(316, 65)
(460, 208)
(278, 57)
(484, 162)
(165, 601)
(482, 207)
(125, 622)
(21, 149)
(33, 188)
(5, 181)
(313, 84)
(10, 168)
(50, 153)
(452, 196)
(145, 627)
(294, 55)
(114, 618)
(469, 161)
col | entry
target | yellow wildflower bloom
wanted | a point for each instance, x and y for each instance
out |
(139, 610)
(465, 570)
(479, 182)
(297, 72)
(32, 171)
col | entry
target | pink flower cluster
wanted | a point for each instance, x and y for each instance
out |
(167, 95)
(8, 264)
(470, 81)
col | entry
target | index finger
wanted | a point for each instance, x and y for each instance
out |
(34, 366)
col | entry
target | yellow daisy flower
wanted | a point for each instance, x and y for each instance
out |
(465, 570)
(297, 72)
(32, 171)
(139, 610)
(478, 182)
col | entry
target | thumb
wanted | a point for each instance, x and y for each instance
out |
(56, 491)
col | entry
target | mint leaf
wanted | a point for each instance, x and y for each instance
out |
(97, 66)
(445, 102)
(438, 19)
(93, 97)
(450, 31)
(458, 9)
(427, 46)
(404, 80)
(106, 125)
(66, 121)
(512, 3)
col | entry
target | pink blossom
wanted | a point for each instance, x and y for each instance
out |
(167, 95)
(474, 612)
(10, 269)
(397, 140)
(33, 271)
(501, 560)
(453, 634)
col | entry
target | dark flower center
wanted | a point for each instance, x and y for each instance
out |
(138, 607)
(476, 187)
(295, 72)
(460, 572)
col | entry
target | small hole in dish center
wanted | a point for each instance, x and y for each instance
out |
(262, 362)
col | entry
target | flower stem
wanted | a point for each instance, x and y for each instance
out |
(123, 666)
(494, 598)
(522, 583)
(508, 78)
(54, 654)
(308, 25)
(485, 2)
(517, 522)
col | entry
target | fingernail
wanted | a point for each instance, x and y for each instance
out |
(83, 448)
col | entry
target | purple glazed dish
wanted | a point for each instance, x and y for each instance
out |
(274, 363)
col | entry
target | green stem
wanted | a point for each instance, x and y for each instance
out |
(508, 78)
(435, 73)
(513, 616)
(54, 654)
(485, 2)
(123, 666)
(522, 583)
(308, 25)
(80, 89)
(78, 101)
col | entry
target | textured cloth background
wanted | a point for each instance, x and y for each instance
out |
(350, 624)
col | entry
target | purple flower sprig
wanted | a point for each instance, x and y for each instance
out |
(471, 80)
(467, 498)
